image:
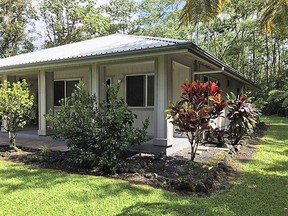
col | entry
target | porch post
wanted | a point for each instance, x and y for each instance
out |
(163, 92)
(95, 81)
(45, 99)
(4, 123)
(102, 81)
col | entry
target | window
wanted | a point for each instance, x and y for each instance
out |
(140, 90)
(228, 82)
(108, 84)
(63, 89)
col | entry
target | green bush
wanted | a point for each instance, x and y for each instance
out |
(15, 107)
(97, 138)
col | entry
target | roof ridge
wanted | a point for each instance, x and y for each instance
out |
(167, 40)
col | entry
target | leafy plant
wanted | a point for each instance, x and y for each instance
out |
(200, 102)
(279, 98)
(117, 131)
(97, 137)
(242, 115)
(15, 107)
(45, 149)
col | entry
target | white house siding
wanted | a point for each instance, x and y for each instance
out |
(179, 75)
(81, 73)
(117, 72)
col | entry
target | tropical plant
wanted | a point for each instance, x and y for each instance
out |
(242, 115)
(279, 98)
(15, 107)
(200, 102)
(196, 11)
(274, 16)
(97, 138)
(273, 13)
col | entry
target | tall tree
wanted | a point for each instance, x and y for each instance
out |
(122, 15)
(161, 19)
(15, 17)
(68, 21)
(274, 12)
(196, 11)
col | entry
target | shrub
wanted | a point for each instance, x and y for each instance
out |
(117, 131)
(242, 115)
(97, 137)
(200, 102)
(15, 107)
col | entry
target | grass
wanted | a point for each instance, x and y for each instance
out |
(262, 190)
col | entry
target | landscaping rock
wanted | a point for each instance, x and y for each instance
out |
(186, 185)
(148, 175)
(201, 188)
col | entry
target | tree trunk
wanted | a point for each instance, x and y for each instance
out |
(267, 62)
(12, 138)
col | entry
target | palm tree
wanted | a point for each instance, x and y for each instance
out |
(273, 18)
(196, 11)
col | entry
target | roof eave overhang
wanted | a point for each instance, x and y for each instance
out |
(226, 69)
(102, 58)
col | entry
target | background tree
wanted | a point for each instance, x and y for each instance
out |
(122, 15)
(68, 21)
(15, 107)
(15, 18)
(274, 15)
(161, 19)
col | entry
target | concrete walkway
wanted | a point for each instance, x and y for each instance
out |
(30, 139)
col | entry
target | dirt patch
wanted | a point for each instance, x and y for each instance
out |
(211, 173)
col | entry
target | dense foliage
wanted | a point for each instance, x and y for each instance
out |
(200, 102)
(15, 107)
(97, 138)
(16, 21)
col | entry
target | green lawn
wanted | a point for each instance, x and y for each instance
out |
(263, 189)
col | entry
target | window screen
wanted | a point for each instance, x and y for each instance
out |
(135, 91)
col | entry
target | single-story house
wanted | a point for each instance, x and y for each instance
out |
(150, 70)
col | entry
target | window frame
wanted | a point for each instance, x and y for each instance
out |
(145, 89)
(65, 87)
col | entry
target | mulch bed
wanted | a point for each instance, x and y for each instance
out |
(212, 173)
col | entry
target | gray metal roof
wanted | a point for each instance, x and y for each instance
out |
(111, 44)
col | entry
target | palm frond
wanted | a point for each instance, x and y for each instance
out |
(196, 11)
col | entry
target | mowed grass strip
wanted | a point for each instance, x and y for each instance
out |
(262, 189)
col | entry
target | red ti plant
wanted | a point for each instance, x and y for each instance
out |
(200, 102)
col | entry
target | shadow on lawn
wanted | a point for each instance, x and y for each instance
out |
(162, 208)
(258, 194)
(28, 177)
(33, 178)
